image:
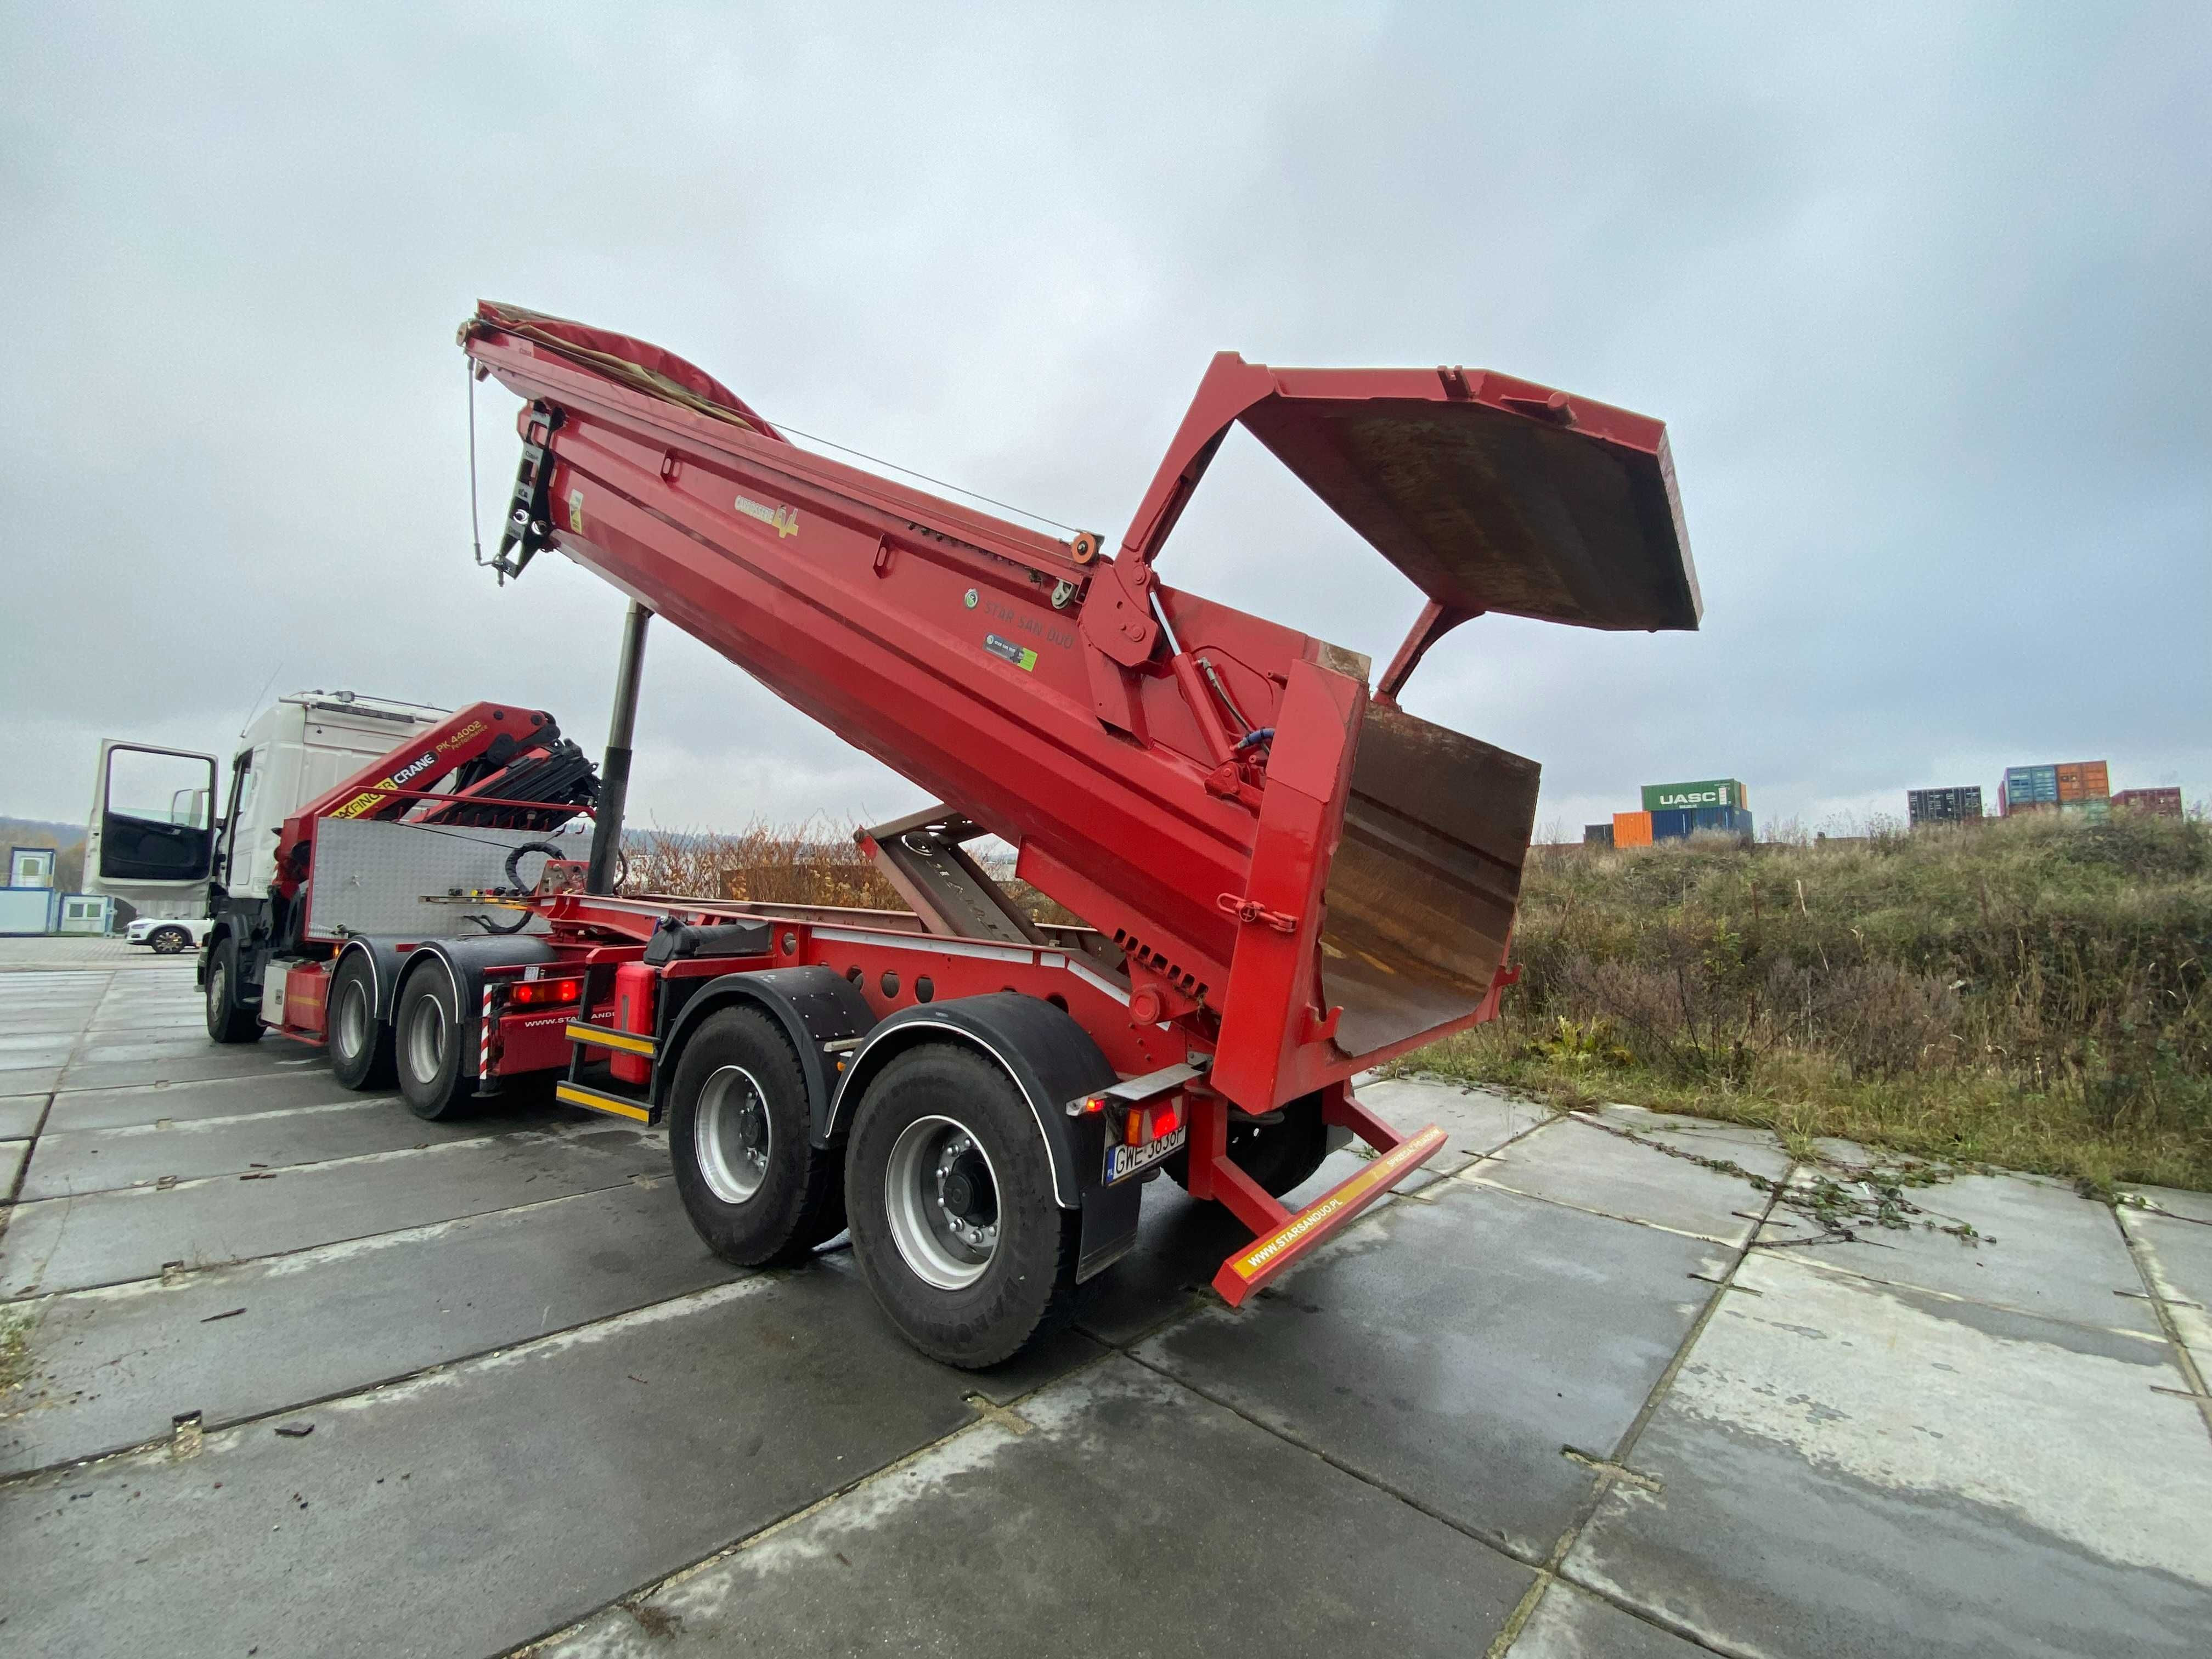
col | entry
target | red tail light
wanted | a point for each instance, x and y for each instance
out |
(541, 992)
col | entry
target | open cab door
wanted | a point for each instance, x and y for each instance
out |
(151, 840)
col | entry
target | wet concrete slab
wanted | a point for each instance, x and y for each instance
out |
(1451, 1350)
(1052, 1534)
(2170, 1200)
(108, 1369)
(1477, 1121)
(103, 1160)
(19, 1115)
(1758, 1150)
(1847, 1468)
(73, 1244)
(35, 1051)
(469, 1510)
(1572, 1624)
(191, 1061)
(30, 1081)
(12, 1153)
(1572, 1162)
(2177, 1256)
(2035, 1245)
(180, 1103)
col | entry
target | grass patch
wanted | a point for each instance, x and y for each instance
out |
(2031, 995)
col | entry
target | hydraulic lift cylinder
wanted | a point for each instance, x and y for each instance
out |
(614, 773)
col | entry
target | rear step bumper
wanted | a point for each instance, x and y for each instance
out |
(1247, 1270)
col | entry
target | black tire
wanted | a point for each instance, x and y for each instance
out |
(1280, 1156)
(757, 1191)
(427, 1038)
(360, 1042)
(226, 1020)
(905, 1155)
(169, 941)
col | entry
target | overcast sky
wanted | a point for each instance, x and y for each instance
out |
(1924, 296)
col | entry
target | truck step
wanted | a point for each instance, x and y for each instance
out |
(598, 1100)
(600, 1037)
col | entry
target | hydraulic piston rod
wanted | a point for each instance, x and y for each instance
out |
(614, 773)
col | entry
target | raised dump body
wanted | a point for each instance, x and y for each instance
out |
(1295, 875)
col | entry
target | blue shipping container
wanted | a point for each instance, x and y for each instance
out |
(2029, 784)
(1673, 825)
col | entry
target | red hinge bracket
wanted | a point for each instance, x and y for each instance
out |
(1253, 910)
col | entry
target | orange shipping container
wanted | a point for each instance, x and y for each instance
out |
(2084, 780)
(1632, 828)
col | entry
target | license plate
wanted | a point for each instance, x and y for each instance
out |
(1122, 1162)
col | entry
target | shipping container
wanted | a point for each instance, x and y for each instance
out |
(1672, 824)
(1632, 828)
(2029, 785)
(2090, 811)
(1707, 791)
(2165, 803)
(2084, 780)
(1956, 805)
(1597, 834)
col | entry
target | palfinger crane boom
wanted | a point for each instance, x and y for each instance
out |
(1290, 878)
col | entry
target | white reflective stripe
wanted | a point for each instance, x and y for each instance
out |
(483, 1039)
(930, 942)
(1092, 977)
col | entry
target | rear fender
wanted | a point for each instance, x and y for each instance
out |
(815, 1006)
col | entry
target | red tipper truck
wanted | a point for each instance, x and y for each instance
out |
(1286, 878)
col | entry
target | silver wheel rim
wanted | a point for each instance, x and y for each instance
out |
(167, 942)
(941, 1197)
(426, 1039)
(731, 1134)
(353, 1020)
(218, 990)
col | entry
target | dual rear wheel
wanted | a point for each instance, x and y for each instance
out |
(944, 1181)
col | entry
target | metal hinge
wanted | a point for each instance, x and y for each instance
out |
(1253, 910)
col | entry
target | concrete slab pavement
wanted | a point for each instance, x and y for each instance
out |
(1480, 1420)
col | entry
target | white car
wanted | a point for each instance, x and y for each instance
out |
(168, 935)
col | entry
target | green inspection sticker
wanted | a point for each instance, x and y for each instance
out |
(1021, 656)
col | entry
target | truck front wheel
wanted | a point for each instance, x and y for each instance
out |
(955, 1224)
(427, 1035)
(226, 1022)
(757, 1190)
(361, 1043)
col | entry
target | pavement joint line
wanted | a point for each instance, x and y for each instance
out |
(629, 1600)
(1608, 1215)
(562, 1131)
(1842, 1272)
(1551, 1567)
(31, 1146)
(746, 1284)
(168, 1276)
(2140, 1251)
(199, 1125)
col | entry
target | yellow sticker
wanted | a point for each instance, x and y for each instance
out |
(576, 511)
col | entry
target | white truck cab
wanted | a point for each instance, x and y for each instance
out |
(151, 841)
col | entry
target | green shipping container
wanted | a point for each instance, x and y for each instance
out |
(1710, 792)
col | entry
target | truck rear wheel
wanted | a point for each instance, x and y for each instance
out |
(427, 1036)
(955, 1223)
(226, 1022)
(360, 1042)
(756, 1189)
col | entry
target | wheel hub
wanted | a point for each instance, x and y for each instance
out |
(731, 1134)
(942, 1199)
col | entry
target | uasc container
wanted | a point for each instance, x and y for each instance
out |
(1707, 792)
